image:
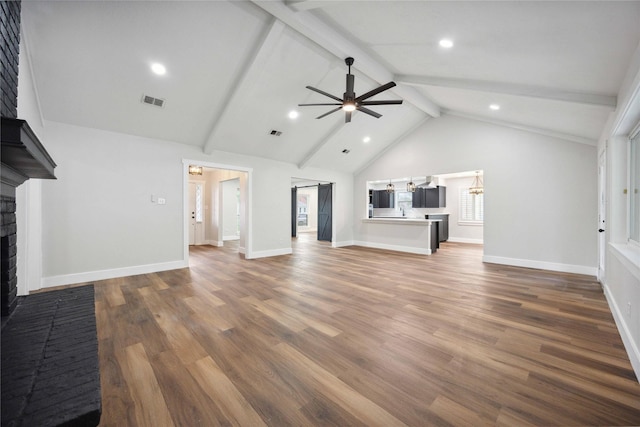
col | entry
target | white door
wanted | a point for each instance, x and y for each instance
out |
(602, 209)
(195, 213)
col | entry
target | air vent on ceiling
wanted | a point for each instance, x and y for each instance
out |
(146, 99)
(275, 132)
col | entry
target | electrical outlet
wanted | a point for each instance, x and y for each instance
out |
(629, 308)
(162, 201)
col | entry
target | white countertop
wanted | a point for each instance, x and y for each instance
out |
(401, 220)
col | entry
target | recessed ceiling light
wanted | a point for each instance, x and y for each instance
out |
(293, 114)
(158, 69)
(494, 107)
(366, 139)
(446, 43)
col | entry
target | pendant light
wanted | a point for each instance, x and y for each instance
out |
(477, 187)
(390, 187)
(195, 170)
(411, 186)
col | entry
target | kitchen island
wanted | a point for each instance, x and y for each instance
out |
(404, 234)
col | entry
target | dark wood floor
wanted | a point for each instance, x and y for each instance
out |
(356, 336)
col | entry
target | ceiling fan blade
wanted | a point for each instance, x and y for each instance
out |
(347, 117)
(374, 91)
(392, 102)
(324, 93)
(310, 105)
(327, 113)
(369, 112)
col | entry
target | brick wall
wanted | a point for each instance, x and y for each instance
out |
(9, 51)
(8, 256)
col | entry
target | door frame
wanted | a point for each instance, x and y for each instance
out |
(246, 200)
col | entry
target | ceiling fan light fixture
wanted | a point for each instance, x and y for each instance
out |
(349, 107)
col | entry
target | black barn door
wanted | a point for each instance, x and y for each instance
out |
(324, 212)
(294, 211)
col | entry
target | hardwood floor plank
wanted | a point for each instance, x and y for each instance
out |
(150, 407)
(222, 391)
(332, 388)
(360, 336)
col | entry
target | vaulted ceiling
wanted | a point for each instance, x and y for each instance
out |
(235, 70)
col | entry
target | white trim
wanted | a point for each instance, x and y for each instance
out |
(465, 240)
(627, 337)
(541, 265)
(269, 253)
(92, 276)
(342, 244)
(397, 248)
(217, 243)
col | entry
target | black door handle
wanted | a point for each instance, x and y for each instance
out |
(600, 230)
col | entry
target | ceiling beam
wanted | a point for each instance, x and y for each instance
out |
(325, 36)
(526, 128)
(511, 89)
(253, 66)
(299, 5)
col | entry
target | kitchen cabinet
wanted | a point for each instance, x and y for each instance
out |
(443, 225)
(430, 197)
(382, 199)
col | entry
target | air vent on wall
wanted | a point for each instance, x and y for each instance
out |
(146, 99)
(275, 132)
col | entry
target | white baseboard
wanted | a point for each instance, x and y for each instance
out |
(232, 237)
(92, 276)
(627, 338)
(217, 243)
(396, 248)
(542, 265)
(273, 252)
(465, 240)
(342, 244)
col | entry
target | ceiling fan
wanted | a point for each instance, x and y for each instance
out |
(350, 102)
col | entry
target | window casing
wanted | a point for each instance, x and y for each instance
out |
(471, 208)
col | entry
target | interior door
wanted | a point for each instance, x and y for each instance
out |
(191, 213)
(294, 211)
(324, 212)
(602, 210)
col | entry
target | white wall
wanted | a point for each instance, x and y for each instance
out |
(230, 209)
(98, 219)
(540, 203)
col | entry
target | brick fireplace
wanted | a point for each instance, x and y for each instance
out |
(50, 370)
(23, 156)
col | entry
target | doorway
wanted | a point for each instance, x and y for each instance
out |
(312, 209)
(216, 206)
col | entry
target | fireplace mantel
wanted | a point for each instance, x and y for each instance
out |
(23, 156)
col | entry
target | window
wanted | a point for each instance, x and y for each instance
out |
(634, 188)
(198, 202)
(404, 200)
(471, 207)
